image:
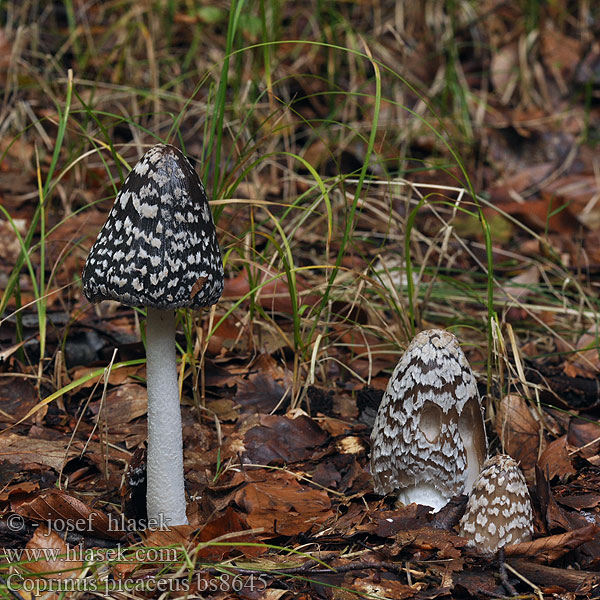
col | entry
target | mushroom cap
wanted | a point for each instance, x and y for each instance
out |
(158, 246)
(498, 511)
(428, 441)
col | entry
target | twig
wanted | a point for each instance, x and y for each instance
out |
(508, 586)
(307, 568)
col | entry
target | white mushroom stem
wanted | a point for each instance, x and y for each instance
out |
(165, 498)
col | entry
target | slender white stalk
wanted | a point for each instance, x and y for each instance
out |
(165, 498)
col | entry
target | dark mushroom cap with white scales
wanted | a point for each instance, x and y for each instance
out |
(498, 511)
(428, 441)
(158, 246)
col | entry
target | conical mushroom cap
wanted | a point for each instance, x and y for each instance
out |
(158, 246)
(498, 512)
(428, 441)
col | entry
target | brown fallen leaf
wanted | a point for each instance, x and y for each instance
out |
(584, 436)
(279, 504)
(21, 488)
(122, 404)
(267, 385)
(378, 587)
(272, 290)
(388, 523)
(585, 362)
(10, 246)
(588, 552)
(279, 440)
(550, 549)
(580, 501)
(160, 546)
(229, 527)
(65, 512)
(477, 582)
(17, 397)
(260, 393)
(19, 449)
(66, 242)
(580, 193)
(519, 286)
(504, 71)
(570, 580)
(59, 560)
(519, 432)
(446, 543)
(560, 53)
(541, 214)
(555, 460)
(116, 377)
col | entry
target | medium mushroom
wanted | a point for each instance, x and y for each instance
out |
(158, 249)
(498, 511)
(428, 441)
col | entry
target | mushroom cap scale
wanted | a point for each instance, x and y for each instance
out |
(498, 511)
(428, 441)
(158, 246)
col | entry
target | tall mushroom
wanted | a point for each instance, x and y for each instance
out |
(428, 441)
(158, 249)
(498, 511)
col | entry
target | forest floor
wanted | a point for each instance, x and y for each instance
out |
(374, 170)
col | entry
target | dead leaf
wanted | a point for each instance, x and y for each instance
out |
(260, 393)
(172, 540)
(272, 290)
(378, 587)
(584, 436)
(388, 523)
(279, 440)
(561, 54)
(58, 559)
(229, 527)
(17, 397)
(266, 387)
(116, 377)
(555, 460)
(10, 247)
(520, 286)
(122, 404)
(519, 432)
(580, 192)
(504, 70)
(19, 450)
(446, 543)
(66, 513)
(585, 362)
(550, 549)
(280, 505)
(72, 233)
(580, 583)
(544, 214)
(197, 287)
(580, 501)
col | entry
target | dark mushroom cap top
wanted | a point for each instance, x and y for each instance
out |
(158, 246)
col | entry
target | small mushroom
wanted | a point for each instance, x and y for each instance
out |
(158, 249)
(498, 511)
(428, 441)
